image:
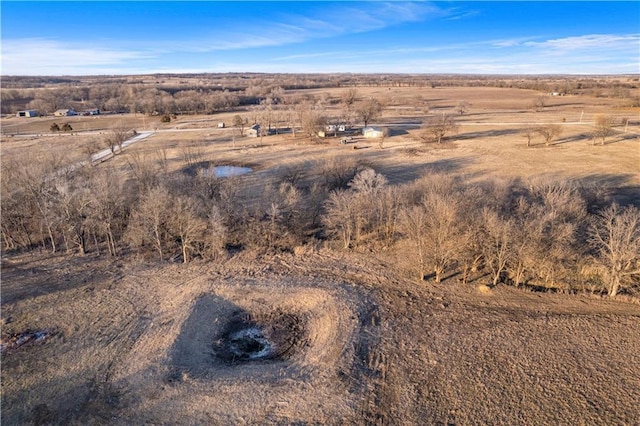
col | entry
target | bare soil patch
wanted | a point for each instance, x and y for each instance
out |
(322, 338)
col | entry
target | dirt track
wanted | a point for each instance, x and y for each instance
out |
(139, 345)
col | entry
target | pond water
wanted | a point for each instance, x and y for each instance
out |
(226, 171)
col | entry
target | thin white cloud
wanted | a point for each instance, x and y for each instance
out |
(46, 56)
(326, 22)
(591, 41)
(42, 56)
(513, 42)
(463, 15)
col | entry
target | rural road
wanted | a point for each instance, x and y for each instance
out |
(106, 153)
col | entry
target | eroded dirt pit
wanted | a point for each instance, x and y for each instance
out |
(219, 333)
(275, 336)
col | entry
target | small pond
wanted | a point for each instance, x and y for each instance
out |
(225, 171)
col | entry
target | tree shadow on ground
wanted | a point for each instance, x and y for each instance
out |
(403, 173)
(487, 133)
(614, 187)
(408, 121)
(586, 137)
(193, 350)
(396, 131)
(25, 277)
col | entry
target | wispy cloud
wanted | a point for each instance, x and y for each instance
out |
(513, 42)
(591, 41)
(325, 22)
(36, 55)
(454, 15)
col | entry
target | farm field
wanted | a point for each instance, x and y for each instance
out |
(318, 334)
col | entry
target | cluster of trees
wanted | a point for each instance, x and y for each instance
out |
(543, 232)
(604, 127)
(65, 127)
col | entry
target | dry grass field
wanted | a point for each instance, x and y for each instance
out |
(323, 336)
(149, 344)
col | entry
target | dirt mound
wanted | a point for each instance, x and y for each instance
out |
(255, 329)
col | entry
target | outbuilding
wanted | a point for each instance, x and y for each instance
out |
(27, 113)
(65, 112)
(253, 131)
(372, 132)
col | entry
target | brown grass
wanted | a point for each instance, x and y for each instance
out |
(132, 343)
(135, 346)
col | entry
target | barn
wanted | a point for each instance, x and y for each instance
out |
(27, 113)
(254, 131)
(372, 132)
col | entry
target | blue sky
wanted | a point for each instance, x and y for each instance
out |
(80, 38)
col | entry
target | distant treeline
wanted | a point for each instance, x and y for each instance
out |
(166, 93)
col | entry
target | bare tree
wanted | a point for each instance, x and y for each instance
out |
(529, 132)
(496, 245)
(462, 107)
(385, 135)
(526, 240)
(146, 172)
(337, 172)
(615, 234)
(368, 182)
(216, 234)
(386, 207)
(547, 218)
(368, 110)
(340, 218)
(282, 220)
(413, 224)
(149, 224)
(349, 97)
(433, 225)
(469, 253)
(311, 118)
(109, 212)
(442, 231)
(603, 128)
(239, 123)
(549, 132)
(540, 102)
(186, 226)
(116, 137)
(368, 187)
(74, 206)
(266, 113)
(436, 128)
